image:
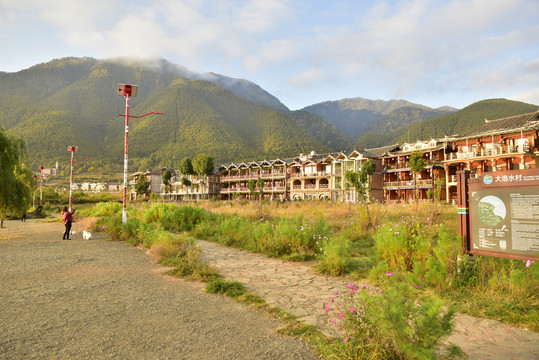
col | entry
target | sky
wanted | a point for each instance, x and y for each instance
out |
(435, 53)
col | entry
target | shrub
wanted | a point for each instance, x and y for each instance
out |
(229, 288)
(394, 323)
(335, 259)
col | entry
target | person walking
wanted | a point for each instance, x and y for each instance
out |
(67, 218)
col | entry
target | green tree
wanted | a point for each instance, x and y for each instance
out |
(187, 183)
(167, 175)
(15, 178)
(142, 185)
(203, 164)
(186, 167)
(251, 185)
(368, 169)
(417, 165)
(360, 180)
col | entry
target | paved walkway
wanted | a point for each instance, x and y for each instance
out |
(295, 288)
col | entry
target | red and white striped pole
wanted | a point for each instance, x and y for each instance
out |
(128, 91)
(72, 149)
(41, 188)
(124, 213)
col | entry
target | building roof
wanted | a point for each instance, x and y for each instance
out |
(501, 126)
(383, 150)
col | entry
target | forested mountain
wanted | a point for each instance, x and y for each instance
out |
(450, 124)
(73, 101)
(357, 116)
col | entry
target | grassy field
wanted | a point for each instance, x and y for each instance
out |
(412, 252)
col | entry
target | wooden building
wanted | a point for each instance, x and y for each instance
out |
(503, 144)
(401, 184)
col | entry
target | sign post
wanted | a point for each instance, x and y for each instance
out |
(503, 214)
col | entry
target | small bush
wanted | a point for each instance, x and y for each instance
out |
(335, 259)
(396, 323)
(229, 288)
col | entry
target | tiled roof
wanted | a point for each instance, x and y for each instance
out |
(500, 126)
(379, 151)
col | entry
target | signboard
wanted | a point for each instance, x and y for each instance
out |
(504, 214)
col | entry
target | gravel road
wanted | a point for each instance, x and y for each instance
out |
(97, 299)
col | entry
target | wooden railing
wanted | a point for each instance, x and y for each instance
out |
(482, 152)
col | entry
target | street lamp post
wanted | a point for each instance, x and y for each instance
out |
(128, 91)
(41, 187)
(72, 149)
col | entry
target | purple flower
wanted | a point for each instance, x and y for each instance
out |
(389, 274)
(417, 287)
(336, 292)
(371, 339)
(365, 286)
(529, 263)
(353, 311)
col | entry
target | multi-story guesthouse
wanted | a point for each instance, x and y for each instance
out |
(191, 187)
(341, 189)
(234, 179)
(502, 144)
(310, 177)
(306, 177)
(401, 184)
(497, 145)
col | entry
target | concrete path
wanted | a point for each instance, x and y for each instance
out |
(295, 288)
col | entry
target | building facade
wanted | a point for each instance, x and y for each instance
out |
(497, 145)
(401, 184)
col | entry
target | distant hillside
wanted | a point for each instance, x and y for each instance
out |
(403, 116)
(450, 124)
(73, 101)
(357, 116)
(322, 130)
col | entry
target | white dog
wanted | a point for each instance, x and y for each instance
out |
(86, 235)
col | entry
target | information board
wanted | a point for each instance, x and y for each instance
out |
(504, 214)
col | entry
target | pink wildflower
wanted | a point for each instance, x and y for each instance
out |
(341, 314)
(346, 339)
(328, 308)
(417, 287)
(390, 273)
(336, 292)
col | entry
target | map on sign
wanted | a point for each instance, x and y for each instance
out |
(491, 210)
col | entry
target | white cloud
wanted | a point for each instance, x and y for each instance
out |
(307, 78)
(530, 97)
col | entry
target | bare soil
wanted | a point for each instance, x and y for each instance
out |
(98, 299)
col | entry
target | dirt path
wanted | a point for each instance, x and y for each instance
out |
(294, 287)
(96, 299)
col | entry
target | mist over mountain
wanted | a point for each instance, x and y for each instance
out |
(74, 102)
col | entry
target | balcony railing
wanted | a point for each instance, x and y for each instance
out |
(315, 174)
(407, 184)
(496, 151)
(278, 174)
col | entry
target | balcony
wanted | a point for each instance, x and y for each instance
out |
(498, 150)
(315, 174)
